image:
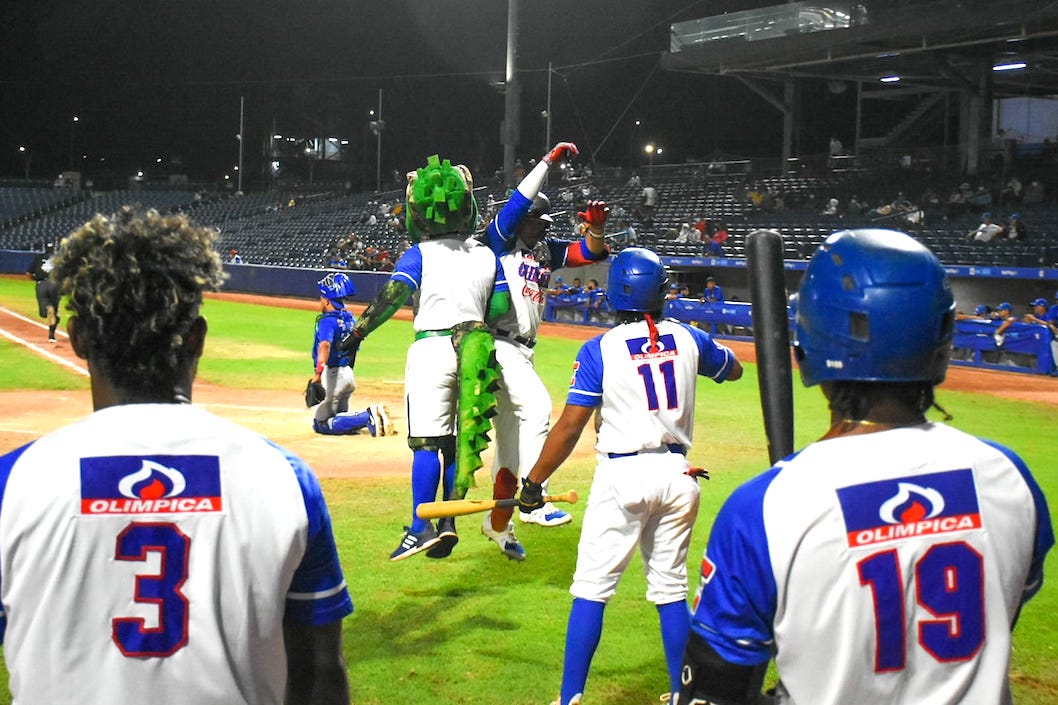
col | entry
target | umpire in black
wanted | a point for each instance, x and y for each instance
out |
(47, 290)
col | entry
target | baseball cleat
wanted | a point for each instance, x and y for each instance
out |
(413, 543)
(547, 515)
(384, 426)
(373, 421)
(506, 540)
(447, 538)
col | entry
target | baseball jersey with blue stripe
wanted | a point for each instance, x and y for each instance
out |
(886, 567)
(153, 551)
(646, 392)
(452, 279)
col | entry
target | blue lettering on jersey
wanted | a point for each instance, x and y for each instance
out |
(901, 508)
(133, 484)
(639, 348)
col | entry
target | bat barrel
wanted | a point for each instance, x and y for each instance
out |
(771, 338)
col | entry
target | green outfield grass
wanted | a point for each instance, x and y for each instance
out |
(477, 629)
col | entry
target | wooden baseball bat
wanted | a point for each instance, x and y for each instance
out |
(771, 338)
(459, 507)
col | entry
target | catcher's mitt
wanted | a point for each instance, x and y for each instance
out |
(314, 393)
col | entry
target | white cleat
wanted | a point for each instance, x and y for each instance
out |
(547, 515)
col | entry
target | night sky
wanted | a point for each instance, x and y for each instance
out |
(155, 80)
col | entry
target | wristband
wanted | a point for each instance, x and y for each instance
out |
(319, 368)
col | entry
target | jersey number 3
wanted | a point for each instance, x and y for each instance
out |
(161, 590)
(949, 585)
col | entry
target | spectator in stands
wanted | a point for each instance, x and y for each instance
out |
(855, 208)
(627, 234)
(713, 293)
(1015, 229)
(648, 201)
(1010, 195)
(956, 206)
(234, 257)
(901, 204)
(634, 181)
(685, 234)
(987, 230)
(836, 150)
(832, 207)
(704, 228)
(716, 242)
(1034, 194)
(932, 208)
(981, 200)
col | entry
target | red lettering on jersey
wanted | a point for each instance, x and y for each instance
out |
(533, 293)
(925, 527)
(172, 505)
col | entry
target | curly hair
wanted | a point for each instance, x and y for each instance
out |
(135, 281)
(853, 399)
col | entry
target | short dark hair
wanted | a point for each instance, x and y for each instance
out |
(135, 281)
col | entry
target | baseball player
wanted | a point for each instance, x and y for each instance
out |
(518, 237)
(46, 289)
(644, 493)
(332, 366)
(153, 550)
(898, 549)
(458, 286)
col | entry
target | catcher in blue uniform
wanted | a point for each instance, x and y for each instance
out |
(333, 382)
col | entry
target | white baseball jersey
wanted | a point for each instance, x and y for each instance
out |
(151, 552)
(880, 568)
(452, 280)
(645, 393)
(641, 495)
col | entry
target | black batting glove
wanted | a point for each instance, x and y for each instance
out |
(531, 497)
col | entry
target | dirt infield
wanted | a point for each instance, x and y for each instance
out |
(277, 414)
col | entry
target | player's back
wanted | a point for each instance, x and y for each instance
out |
(454, 278)
(648, 394)
(146, 555)
(900, 561)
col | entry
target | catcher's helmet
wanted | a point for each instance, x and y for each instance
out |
(541, 208)
(335, 287)
(874, 306)
(637, 281)
(440, 200)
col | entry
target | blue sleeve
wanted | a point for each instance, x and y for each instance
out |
(408, 269)
(585, 387)
(7, 463)
(500, 234)
(735, 607)
(501, 278)
(714, 360)
(318, 593)
(1044, 530)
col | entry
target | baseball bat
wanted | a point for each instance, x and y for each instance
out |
(771, 339)
(459, 507)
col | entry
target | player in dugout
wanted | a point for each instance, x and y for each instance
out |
(154, 551)
(644, 493)
(898, 549)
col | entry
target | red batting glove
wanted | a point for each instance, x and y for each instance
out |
(596, 214)
(562, 150)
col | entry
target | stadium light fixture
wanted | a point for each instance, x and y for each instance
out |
(1011, 66)
(889, 79)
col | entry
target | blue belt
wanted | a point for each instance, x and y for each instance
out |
(511, 335)
(673, 448)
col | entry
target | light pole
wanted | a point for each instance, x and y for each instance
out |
(73, 122)
(632, 141)
(650, 149)
(26, 158)
(376, 127)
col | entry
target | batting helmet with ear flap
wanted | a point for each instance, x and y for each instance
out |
(335, 287)
(637, 281)
(874, 306)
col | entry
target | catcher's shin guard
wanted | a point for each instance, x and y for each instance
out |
(479, 377)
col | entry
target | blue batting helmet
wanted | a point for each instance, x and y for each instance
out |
(335, 287)
(637, 281)
(874, 306)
